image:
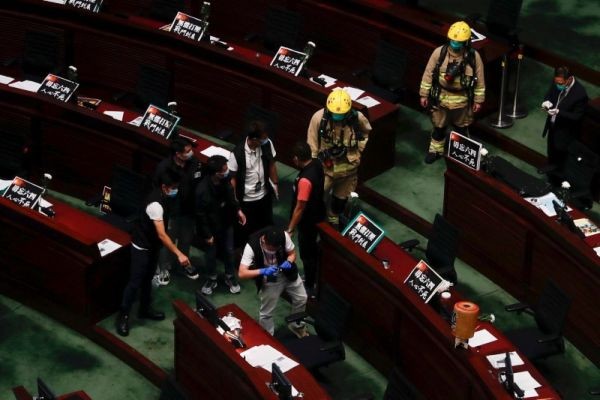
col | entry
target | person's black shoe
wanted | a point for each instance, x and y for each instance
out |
(123, 324)
(152, 314)
(430, 158)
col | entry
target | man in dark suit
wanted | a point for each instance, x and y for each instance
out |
(565, 104)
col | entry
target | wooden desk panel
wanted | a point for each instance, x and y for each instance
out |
(390, 324)
(56, 261)
(518, 247)
(208, 366)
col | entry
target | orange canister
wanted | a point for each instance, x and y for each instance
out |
(467, 315)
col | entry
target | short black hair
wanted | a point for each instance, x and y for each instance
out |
(178, 144)
(275, 237)
(169, 177)
(302, 151)
(562, 72)
(215, 164)
(256, 129)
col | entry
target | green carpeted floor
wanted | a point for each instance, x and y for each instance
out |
(33, 345)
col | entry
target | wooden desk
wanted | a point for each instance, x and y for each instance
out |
(213, 87)
(524, 248)
(22, 394)
(208, 366)
(54, 264)
(390, 324)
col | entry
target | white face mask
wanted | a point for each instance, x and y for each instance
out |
(187, 155)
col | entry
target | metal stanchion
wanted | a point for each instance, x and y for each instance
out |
(517, 111)
(499, 120)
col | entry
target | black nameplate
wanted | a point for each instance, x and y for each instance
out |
(58, 88)
(423, 280)
(23, 193)
(464, 150)
(289, 60)
(189, 27)
(159, 121)
(364, 232)
(89, 5)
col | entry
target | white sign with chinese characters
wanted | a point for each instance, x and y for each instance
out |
(464, 150)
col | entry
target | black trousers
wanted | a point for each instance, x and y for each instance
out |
(259, 215)
(309, 252)
(143, 266)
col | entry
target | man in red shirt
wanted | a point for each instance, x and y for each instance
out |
(308, 209)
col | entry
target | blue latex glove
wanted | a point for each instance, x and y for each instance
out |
(269, 271)
(285, 265)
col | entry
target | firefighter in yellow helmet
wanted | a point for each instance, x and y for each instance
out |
(452, 87)
(337, 135)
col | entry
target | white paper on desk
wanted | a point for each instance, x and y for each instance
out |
(481, 337)
(530, 393)
(118, 115)
(44, 203)
(525, 381)
(264, 356)
(497, 360)
(232, 322)
(354, 93)
(368, 101)
(597, 250)
(137, 121)
(216, 151)
(6, 79)
(544, 203)
(476, 36)
(329, 81)
(107, 246)
(29, 86)
(4, 184)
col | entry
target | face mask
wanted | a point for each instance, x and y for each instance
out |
(264, 141)
(338, 117)
(561, 87)
(223, 175)
(172, 192)
(456, 45)
(187, 155)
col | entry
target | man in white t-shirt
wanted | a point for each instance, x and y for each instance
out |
(269, 258)
(148, 236)
(254, 179)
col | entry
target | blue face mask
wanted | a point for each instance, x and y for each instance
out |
(337, 117)
(456, 45)
(561, 87)
(223, 175)
(172, 192)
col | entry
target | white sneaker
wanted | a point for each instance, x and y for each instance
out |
(164, 278)
(209, 285)
(234, 286)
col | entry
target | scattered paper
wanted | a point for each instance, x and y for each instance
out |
(107, 246)
(481, 337)
(586, 226)
(530, 393)
(354, 93)
(44, 204)
(476, 36)
(597, 250)
(6, 79)
(118, 115)
(329, 81)
(29, 86)
(544, 203)
(232, 322)
(137, 121)
(525, 381)
(264, 356)
(368, 101)
(497, 360)
(216, 151)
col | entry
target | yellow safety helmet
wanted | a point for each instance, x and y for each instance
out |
(339, 101)
(459, 31)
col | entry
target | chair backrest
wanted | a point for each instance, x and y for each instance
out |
(580, 167)
(442, 246)
(128, 191)
(332, 314)
(12, 153)
(153, 86)
(42, 54)
(551, 309)
(503, 15)
(165, 10)
(282, 28)
(399, 388)
(389, 66)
